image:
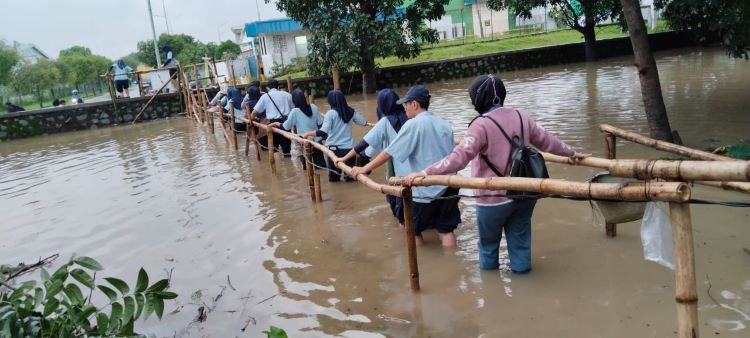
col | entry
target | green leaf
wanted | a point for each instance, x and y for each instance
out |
(45, 275)
(83, 277)
(111, 294)
(53, 287)
(142, 282)
(115, 317)
(119, 284)
(164, 295)
(140, 301)
(86, 313)
(102, 322)
(158, 307)
(38, 296)
(275, 332)
(88, 263)
(61, 274)
(74, 294)
(148, 308)
(159, 286)
(127, 329)
(129, 309)
(51, 306)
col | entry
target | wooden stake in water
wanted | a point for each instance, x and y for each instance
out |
(271, 159)
(684, 268)
(336, 78)
(310, 169)
(231, 125)
(411, 241)
(289, 85)
(611, 228)
(318, 190)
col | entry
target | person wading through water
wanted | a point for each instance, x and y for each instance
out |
(485, 145)
(304, 117)
(391, 117)
(274, 106)
(422, 140)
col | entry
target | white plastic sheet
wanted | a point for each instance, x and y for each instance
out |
(656, 235)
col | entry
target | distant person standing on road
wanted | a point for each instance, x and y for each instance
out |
(122, 81)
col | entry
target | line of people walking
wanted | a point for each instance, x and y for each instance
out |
(412, 141)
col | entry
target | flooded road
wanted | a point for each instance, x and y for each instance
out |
(169, 196)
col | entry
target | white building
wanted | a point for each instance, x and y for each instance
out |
(277, 41)
(29, 52)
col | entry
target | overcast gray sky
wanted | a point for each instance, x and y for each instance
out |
(113, 27)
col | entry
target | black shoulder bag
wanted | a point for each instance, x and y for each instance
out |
(524, 161)
(283, 117)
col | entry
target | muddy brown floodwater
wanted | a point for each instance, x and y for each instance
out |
(168, 196)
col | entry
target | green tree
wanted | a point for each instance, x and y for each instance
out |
(580, 15)
(36, 78)
(352, 33)
(131, 60)
(729, 20)
(78, 70)
(227, 49)
(8, 59)
(186, 48)
(75, 50)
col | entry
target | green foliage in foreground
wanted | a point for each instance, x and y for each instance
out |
(60, 304)
(275, 332)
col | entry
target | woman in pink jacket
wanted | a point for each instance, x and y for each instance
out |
(483, 137)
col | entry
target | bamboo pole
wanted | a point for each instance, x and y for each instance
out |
(231, 126)
(611, 140)
(411, 244)
(684, 259)
(672, 170)
(289, 85)
(140, 84)
(635, 191)
(662, 145)
(309, 166)
(152, 99)
(336, 77)
(271, 159)
(318, 190)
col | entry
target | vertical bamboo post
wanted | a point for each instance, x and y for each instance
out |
(310, 170)
(247, 138)
(684, 268)
(289, 85)
(140, 84)
(271, 159)
(611, 228)
(318, 191)
(411, 241)
(336, 78)
(195, 73)
(231, 125)
(310, 99)
(254, 136)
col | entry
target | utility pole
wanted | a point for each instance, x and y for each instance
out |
(166, 22)
(153, 32)
(257, 9)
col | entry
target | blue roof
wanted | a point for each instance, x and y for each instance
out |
(253, 29)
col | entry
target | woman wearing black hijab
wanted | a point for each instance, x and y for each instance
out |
(172, 64)
(337, 130)
(304, 117)
(391, 116)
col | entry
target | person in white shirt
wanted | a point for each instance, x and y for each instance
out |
(275, 106)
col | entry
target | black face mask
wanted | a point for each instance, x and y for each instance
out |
(486, 91)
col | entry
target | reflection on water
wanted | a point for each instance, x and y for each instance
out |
(170, 197)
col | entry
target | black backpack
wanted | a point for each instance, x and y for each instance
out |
(524, 161)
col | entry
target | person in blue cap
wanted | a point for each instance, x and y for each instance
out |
(424, 139)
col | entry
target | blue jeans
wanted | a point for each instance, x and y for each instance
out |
(514, 219)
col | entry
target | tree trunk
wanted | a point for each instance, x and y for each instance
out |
(52, 91)
(39, 96)
(589, 38)
(368, 74)
(653, 102)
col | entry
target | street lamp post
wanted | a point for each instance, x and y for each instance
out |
(153, 32)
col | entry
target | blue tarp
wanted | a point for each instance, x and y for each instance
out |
(253, 29)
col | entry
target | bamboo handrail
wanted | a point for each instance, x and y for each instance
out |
(666, 169)
(368, 182)
(635, 191)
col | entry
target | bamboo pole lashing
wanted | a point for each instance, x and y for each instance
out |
(686, 294)
(411, 242)
(635, 191)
